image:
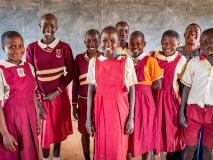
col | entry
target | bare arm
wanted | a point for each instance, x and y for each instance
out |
(90, 102)
(130, 121)
(184, 98)
(9, 141)
(157, 84)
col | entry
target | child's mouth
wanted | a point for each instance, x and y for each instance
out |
(48, 33)
(108, 49)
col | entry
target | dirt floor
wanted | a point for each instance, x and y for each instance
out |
(71, 147)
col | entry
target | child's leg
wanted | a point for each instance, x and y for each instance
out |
(189, 152)
(46, 152)
(85, 140)
(145, 156)
(57, 149)
(129, 156)
(163, 155)
(207, 153)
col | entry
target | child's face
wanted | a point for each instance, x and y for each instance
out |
(92, 42)
(48, 27)
(123, 32)
(169, 45)
(109, 42)
(206, 44)
(137, 45)
(14, 48)
(192, 34)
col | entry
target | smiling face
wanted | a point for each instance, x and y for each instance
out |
(169, 45)
(92, 42)
(123, 31)
(48, 27)
(14, 48)
(206, 43)
(192, 34)
(109, 42)
(137, 45)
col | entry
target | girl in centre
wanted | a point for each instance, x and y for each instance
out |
(111, 98)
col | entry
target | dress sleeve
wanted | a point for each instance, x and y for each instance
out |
(130, 75)
(181, 67)
(187, 77)
(1, 87)
(91, 72)
(154, 69)
(69, 67)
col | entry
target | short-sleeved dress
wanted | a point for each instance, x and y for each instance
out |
(17, 87)
(111, 107)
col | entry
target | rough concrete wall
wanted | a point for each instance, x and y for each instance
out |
(152, 17)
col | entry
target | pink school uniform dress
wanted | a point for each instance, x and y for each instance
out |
(54, 65)
(168, 102)
(143, 138)
(111, 107)
(18, 85)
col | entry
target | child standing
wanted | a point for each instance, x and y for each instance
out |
(168, 98)
(110, 120)
(18, 120)
(80, 87)
(192, 45)
(148, 72)
(198, 101)
(53, 62)
(123, 31)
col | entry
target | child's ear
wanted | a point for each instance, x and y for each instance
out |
(144, 43)
(85, 42)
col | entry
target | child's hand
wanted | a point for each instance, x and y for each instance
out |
(9, 142)
(41, 111)
(89, 127)
(52, 95)
(182, 119)
(129, 126)
(75, 111)
(38, 126)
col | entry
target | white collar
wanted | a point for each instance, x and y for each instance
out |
(141, 56)
(162, 57)
(102, 58)
(7, 64)
(51, 45)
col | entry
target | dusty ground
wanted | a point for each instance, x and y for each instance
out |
(71, 147)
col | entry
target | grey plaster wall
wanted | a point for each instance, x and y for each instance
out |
(152, 17)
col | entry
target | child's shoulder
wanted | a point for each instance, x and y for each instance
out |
(64, 44)
(32, 44)
(195, 60)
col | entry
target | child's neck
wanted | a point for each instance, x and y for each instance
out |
(47, 41)
(136, 56)
(191, 49)
(111, 56)
(123, 44)
(91, 54)
(167, 55)
(16, 62)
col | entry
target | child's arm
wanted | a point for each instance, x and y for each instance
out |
(182, 117)
(9, 141)
(40, 113)
(156, 73)
(130, 121)
(90, 100)
(75, 88)
(70, 67)
(157, 84)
